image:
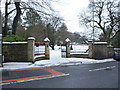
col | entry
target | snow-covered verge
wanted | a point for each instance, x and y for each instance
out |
(55, 60)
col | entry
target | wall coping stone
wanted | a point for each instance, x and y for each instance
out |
(31, 38)
(47, 39)
(14, 42)
(101, 43)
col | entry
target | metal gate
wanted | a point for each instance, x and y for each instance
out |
(63, 50)
(78, 48)
(39, 49)
(74, 49)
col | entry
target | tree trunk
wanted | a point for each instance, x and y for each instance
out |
(5, 30)
(16, 18)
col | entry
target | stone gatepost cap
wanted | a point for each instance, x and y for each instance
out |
(67, 40)
(31, 38)
(46, 39)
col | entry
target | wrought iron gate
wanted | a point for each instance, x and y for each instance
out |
(63, 50)
(39, 49)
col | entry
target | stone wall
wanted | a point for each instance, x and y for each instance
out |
(100, 50)
(23, 51)
(15, 51)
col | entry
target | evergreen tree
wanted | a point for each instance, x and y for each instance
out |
(116, 40)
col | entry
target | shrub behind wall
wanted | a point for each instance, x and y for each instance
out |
(13, 38)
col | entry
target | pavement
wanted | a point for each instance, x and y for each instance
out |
(40, 64)
(15, 65)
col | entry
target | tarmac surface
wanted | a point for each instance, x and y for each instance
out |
(103, 75)
(22, 75)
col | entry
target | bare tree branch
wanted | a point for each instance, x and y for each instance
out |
(105, 17)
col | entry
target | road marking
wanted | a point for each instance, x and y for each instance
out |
(53, 74)
(105, 68)
(31, 79)
(52, 71)
(43, 68)
(27, 69)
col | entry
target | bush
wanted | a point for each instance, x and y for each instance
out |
(116, 40)
(13, 38)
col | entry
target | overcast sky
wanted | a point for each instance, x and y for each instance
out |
(69, 10)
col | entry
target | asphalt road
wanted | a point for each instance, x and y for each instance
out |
(80, 76)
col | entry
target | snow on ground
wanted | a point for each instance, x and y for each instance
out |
(55, 60)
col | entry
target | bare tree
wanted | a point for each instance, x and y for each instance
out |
(62, 33)
(43, 6)
(17, 17)
(52, 27)
(105, 18)
(7, 3)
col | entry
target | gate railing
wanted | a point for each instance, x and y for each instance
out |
(78, 48)
(74, 50)
(39, 48)
(63, 50)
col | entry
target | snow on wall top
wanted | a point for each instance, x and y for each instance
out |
(100, 43)
(67, 40)
(14, 42)
(31, 38)
(46, 39)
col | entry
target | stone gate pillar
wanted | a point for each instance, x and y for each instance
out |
(100, 50)
(31, 43)
(90, 49)
(67, 48)
(47, 51)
